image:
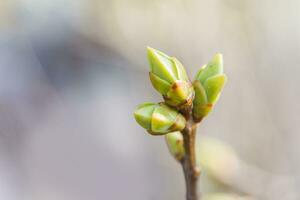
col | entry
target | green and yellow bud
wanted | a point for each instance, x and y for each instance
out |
(159, 119)
(208, 85)
(169, 78)
(174, 141)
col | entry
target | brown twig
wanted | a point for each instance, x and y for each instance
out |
(190, 169)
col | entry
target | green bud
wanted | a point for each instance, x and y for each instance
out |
(175, 144)
(214, 67)
(208, 85)
(213, 87)
(159, 119)
(169, 78)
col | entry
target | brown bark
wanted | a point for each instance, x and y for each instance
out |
(189, 166)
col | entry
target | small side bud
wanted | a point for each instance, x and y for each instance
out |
(159, 119)
(174, 141)
(169, 78)
(208, 85)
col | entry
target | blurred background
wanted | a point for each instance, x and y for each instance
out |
(72, 72)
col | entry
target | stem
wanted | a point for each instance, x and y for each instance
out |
(191, 172)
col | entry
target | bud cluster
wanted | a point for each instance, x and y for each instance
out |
(169, 78)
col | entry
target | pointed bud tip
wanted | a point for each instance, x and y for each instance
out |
(151, 51)
(218, 59)
(149, 48)
(219, 56)
(143, 114)
(155, 53)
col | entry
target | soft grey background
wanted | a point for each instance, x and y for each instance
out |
(72, 72)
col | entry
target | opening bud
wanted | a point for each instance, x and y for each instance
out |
(208, 85)
(169, 78)
(159, 119)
